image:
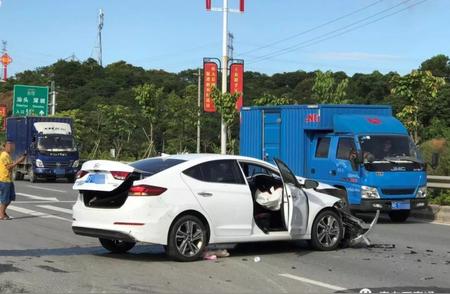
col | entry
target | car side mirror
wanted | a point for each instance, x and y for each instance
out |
(434, 160)
(311, 184)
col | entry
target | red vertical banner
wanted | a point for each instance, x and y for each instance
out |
(3, 112)
(208, 4)
(210, 73)
(237, 83)
(241, 6)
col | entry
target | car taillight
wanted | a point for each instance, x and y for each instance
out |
(120, 175)
(81, 173)
(146, 190)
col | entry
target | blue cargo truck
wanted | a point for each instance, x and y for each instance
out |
(49, 144)
(361, 149)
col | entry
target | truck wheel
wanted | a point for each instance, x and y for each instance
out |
(399, 216)
(116, 246)
(32, 176)
(187, 239)
(17, 176)
(326, 231)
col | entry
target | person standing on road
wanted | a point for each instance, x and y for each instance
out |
(7, 193)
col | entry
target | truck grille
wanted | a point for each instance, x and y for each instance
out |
(56, 164)
(397, 191)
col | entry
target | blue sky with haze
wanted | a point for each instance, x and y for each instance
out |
(271, 36)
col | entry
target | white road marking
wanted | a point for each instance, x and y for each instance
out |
(36, 213)
(48, 189)
(37, 197)
(39, 201)
(56, 208)
(313, 282)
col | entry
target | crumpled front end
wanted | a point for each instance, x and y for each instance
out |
(356, 231)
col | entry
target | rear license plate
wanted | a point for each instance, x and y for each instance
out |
(401, 204)
(95, 179)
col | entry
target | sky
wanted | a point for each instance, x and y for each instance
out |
(271, 35)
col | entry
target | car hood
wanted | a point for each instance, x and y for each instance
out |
(319, 198)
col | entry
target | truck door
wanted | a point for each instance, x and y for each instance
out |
(322, 166)
(347, 170)
(295, 206)
(271, 136)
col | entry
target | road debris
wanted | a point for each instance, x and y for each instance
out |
(257, 259)
(214, 254)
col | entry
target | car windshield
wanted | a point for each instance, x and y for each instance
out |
(155, 165)
(56, 142)
(388, 148)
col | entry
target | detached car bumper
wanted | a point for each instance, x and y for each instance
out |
(389, 204)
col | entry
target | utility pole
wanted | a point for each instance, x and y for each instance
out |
(53, 92)
(224, 10)
(223, 126)
(100, 27)
(198, 110)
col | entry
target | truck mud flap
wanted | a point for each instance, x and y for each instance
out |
(356, 231)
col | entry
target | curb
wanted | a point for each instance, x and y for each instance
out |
(434, 213)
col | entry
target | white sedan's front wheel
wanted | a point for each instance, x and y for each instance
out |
(327, 231)
(187, 239)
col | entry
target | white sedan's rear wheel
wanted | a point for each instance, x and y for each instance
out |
(327, 231)
(187, 239)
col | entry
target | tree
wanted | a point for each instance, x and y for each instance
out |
(325, 89)
(269, 99)
(226, 106)
(439, 66)
(150, 98)
(420, 89)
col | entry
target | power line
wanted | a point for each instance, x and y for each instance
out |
(323, 37)
(312, 29)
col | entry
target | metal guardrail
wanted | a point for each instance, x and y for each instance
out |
(442, 182)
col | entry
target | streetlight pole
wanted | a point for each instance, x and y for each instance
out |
(198, 111)
(223, 126)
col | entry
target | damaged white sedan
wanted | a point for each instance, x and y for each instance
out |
(185, 202)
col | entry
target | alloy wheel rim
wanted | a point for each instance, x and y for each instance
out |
(328, 231)
(189, 238)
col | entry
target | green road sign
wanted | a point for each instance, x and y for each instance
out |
(30, 100)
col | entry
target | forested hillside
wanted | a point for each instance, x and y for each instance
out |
(108, 115)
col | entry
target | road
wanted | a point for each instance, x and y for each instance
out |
(39, 253)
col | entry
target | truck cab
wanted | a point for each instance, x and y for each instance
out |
(361, 149)
(50, 147)
(374, 160)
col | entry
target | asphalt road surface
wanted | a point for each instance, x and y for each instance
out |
(39, 253)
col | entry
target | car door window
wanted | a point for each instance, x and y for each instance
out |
(323, 145)
(346, 146)
(218, 171)
(251, 169)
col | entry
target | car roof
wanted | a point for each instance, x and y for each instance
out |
(211, 156)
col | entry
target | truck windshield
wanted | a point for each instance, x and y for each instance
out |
(390, 148)
(56, 143)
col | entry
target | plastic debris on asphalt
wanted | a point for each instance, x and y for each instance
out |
(214, 254)
(257, 259)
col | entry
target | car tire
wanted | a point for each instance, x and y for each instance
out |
(188, 237)
(399, 216)
(17, 176)
(327, 231)
(116, 246)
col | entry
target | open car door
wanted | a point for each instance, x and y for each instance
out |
(295, 207)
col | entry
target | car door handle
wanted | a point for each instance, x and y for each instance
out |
(333, 172)
(205, 194)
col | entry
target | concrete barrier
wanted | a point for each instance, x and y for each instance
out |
(433, 213)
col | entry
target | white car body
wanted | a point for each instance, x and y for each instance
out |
(227, 208)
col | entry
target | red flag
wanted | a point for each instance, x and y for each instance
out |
(208, 4)
(237, 83)
(241, 6)
(210, 75)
